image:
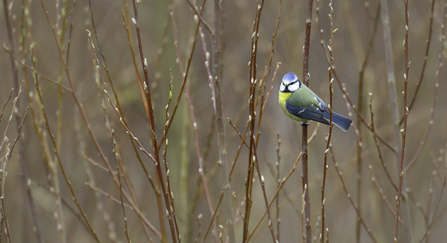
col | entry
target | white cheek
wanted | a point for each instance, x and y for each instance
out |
(294, 87)
(282, 87)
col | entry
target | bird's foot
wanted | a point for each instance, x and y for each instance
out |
(304, 124)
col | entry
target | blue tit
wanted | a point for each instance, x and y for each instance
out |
(301, 104)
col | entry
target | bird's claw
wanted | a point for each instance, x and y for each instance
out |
(304, 124)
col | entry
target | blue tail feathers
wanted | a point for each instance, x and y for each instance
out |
(342, 122)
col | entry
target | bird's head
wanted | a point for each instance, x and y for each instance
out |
(290, 83)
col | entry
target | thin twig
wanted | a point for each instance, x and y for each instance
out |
(3, 174)
(238, 133)
(432, 111)
(122, 205)
(444, 184)
(84, 117)
(185, 78)
(37, 72)
(431, 189)
(193, 119)
(377, 145)
(278, 160)
(118, 106)
(427, 49)
(207, 26)
(283, 181)
(212, 218)
(440, 64)
(369, 166)
(15, 79)
(350, 198)
(150, 115)
(102, 192)
(328, 138)
(5, 103)
(304, 175)
(56, 151)
(407, 222)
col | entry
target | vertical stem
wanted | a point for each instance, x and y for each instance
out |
(221, 142)
(405, 217)
(304, 125)
(159, 174)
(331, 64)
(21, 155)
(359, 158)
(278, 187)
(304, 177)
(252, 119)
(404, 133)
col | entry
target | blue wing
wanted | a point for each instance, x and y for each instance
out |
(311, 112)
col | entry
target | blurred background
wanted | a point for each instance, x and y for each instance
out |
(165, 26)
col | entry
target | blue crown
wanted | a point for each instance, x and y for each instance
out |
(290, 77)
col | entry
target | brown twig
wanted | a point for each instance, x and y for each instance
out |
(407, 224)
(56, 151)
(122, 205)
(35, 71)
(196, 11)
(148, 100)
(350, 198)
(432, 111)
(431, 190)
(15, 79)
(303, 205)
(252, 155)
(267, 74)
(212, 218)
(278, 160)
(239, 150)
(123, 120)
(359, 115)
(84, 117)
(287, 194)
(111, 135)
(444, 184)
(283, 181)
(5, 103)
(370, 168)
(10, 118)
(440, 64)
(66, 204)
(185, 77)
(427, 49)
(3, 173)
(168, 181)
(304, 175)
(193, 119)
(261, 179)
(377, 145)
(328, 138)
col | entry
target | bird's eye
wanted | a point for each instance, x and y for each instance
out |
(293, 87)
(282, 87)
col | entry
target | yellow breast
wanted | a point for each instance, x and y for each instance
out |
(282, 102)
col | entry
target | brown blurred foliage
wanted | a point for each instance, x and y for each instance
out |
(84, 166)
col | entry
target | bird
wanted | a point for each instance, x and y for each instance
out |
(301, 104)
